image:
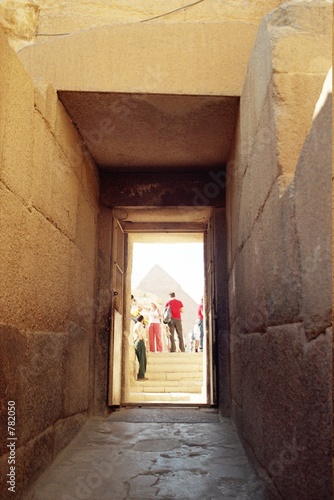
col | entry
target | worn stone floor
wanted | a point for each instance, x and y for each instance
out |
(148, 453)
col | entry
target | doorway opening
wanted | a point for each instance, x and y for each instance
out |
(171, 263)
(170, 226)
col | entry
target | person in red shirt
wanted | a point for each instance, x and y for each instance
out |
(175, 323)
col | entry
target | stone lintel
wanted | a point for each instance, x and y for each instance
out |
(166, 189)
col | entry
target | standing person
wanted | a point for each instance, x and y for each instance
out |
(154, 329)
(200, 324)
(139, 339)
(175, 323)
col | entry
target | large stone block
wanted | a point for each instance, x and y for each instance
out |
(65, 430)
(76, 371)
(30, 242)
(295, 98)
(82, 300)
(250, 285)
(38, 456)
(261, 170)
(41, 381)
(79, 16)
(278, 256)
(86, 227)
(313, 218)
(13, 354)
(144, 57)
(55, 187)
(254, 92)
(17, 97)
(286, 401)
(34, 268)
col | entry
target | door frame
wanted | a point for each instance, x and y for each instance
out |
(168, 225)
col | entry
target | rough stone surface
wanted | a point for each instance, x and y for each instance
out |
(279, 255)
(184, 454)
(313, 218)
(146, 58)
(283, 407)
(49, 198)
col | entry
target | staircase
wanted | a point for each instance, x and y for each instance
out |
(172, 377)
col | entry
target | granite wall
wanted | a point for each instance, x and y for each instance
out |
(279, 235)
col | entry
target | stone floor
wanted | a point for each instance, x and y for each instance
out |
(148, 453)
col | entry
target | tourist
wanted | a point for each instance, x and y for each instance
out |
(200, 324)
(175, 323)
(154, 329)
(139, 338)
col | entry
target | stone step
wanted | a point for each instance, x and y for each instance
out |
(172, 386)
(172, 377)
(166, 398)
(175, 357)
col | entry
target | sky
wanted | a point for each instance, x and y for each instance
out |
(183, 261)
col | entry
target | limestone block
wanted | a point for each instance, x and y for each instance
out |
(55, 187)
(76, 371)
(19, 19)
(86, 227)
(295, 98)
(286, 418)
(69, 141)
(5, 56)
(34, 268)
(45, 103)
(81, 290)
(304, 53)
(179, 58)
(17, 100)
(313, 218)
(82, 15)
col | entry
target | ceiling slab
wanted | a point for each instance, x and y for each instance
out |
(128, 132)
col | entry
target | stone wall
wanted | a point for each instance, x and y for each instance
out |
(48, 220)
(278, 205)
(28, 22)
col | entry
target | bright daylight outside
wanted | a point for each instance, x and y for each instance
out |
(160, 268)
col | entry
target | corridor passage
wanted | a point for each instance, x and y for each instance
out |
(175, 453)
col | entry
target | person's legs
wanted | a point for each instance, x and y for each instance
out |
(157, 334)
(141, 356)
(201, 336)
(171, 327)
(178, 327)
(151, 337)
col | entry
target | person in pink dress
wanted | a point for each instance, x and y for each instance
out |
(154, 329)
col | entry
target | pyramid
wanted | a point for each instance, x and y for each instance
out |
(160, 283)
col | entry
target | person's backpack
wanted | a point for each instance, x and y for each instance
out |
(167, 315)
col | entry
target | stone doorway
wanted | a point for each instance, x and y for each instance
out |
(188, 378)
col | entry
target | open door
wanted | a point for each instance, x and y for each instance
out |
(210, 312)
(116, 333)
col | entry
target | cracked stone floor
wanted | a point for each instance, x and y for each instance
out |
(147, 453)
